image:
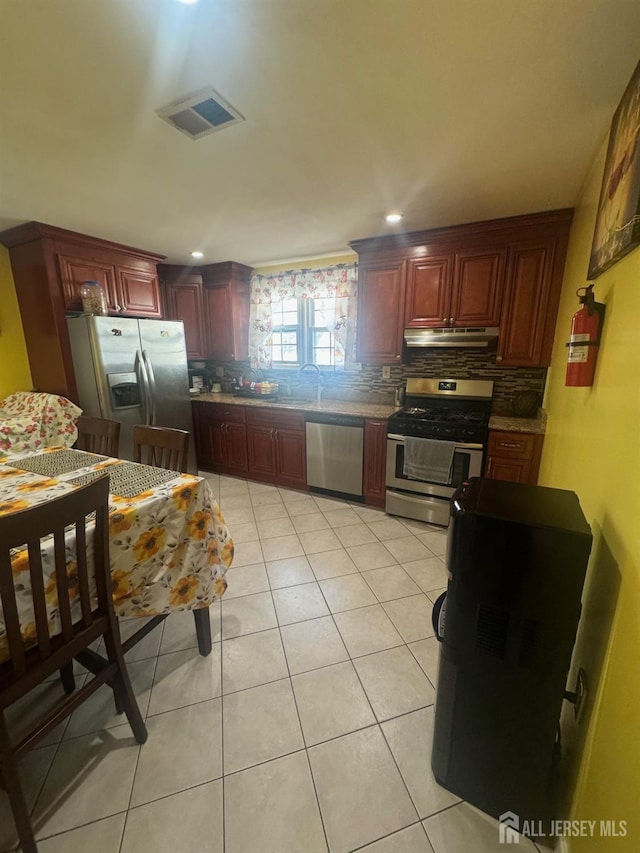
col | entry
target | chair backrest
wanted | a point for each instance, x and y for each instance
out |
(165, 447)
(98, 435)
(33, 528)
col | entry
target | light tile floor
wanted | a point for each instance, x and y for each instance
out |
(307, 729)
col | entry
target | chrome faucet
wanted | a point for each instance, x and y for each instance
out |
(319, 380)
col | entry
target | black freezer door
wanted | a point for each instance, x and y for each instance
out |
(517, 558)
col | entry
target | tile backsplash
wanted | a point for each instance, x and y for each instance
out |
(368, 383)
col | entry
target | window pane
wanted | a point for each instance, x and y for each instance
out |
(323, 357)
(302, 330)
(284, 313)
(323, 339)
(290, 354)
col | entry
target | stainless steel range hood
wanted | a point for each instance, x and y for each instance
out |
(450, 337)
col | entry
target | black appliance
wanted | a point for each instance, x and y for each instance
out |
(453, 412)
(517, 557)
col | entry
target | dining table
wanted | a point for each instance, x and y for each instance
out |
(169, 545)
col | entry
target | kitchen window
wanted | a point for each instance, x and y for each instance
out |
(301, 333)
(303, 316)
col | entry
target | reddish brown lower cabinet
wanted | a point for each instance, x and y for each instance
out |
(220, 438)
(276, 447)
(375, 461)
(514, 456)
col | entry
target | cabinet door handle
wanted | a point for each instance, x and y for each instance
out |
(488, 471)
(509, 444)
(444, 320)
(498, 358)
(275, 434)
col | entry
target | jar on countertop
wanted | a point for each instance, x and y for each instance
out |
(94, 300)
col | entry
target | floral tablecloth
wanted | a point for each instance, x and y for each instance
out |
(169, 545)
(31, 420)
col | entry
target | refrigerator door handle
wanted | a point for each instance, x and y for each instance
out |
(143, 381)
(152, 386)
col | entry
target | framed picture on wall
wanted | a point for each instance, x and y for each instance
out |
(617, 228)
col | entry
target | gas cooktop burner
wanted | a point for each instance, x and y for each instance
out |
(440, 415)
(445, 408)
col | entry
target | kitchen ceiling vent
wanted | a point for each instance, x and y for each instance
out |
(201, 113)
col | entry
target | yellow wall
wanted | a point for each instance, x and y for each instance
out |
(308, 263)
(14, 365)
(593, 447)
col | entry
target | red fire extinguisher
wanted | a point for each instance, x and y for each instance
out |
(586, 330)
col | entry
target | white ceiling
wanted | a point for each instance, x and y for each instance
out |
(449, 110)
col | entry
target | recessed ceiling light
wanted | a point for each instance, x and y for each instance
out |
(392, 218)
(197, 255)
(188, 2)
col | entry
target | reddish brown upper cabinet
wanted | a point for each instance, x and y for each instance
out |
(460, 289)
(428, 298)
(532, 293)
(49, 267)
(381, 293)
(476, 298)
(226, 308)
(131, 284)
(375, 461)
(75, 271)
(504, 273)
(182, 293)
(139, 293)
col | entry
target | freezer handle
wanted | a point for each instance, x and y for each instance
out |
(143, 381)
(438, 616)
(152, 387)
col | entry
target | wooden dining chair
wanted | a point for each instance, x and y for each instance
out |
(98, 435)
(165, 447)
(84, 616)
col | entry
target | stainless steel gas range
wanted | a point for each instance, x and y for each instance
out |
(435, 443)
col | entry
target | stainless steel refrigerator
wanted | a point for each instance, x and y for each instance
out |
(132, 371)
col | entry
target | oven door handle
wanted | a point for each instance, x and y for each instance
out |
(461, 444)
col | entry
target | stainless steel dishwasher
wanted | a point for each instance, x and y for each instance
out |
(335, 452)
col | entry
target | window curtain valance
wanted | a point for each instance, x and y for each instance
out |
(338, 283)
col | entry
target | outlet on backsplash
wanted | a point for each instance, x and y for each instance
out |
(386, 371)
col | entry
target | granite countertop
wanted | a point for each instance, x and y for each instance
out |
(334, 407)
(507, 423)
(537, 425)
